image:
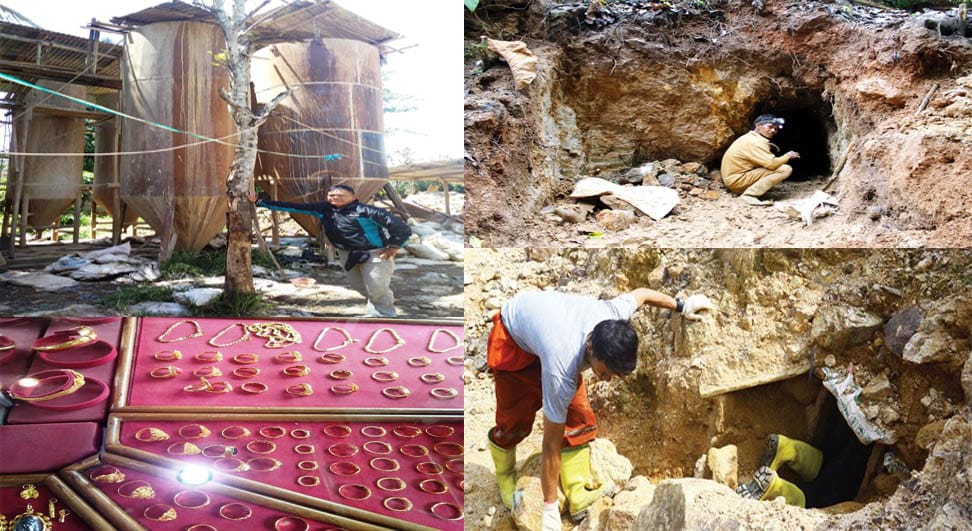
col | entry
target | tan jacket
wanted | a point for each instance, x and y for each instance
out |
(747, 152)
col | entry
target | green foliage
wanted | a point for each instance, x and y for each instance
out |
(125, 296)
(475, 50)
(183, 264)
(89, 145)
(471, 5)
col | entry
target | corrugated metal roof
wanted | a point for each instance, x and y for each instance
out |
(296, 21)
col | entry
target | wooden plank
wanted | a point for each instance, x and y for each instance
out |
(21, 69)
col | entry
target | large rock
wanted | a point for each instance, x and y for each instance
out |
(900, 327)
(628, 504)
(839, 327)
(943, 334)
(198, 296)
(724, 465)
(428, 252)
(39, 281)
(673, 505)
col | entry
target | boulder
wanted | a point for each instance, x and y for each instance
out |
(628, 504)
(900, 327)
(724, 465)
(840, 327)
(673, 505)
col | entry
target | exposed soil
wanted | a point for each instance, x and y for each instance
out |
(640, 81)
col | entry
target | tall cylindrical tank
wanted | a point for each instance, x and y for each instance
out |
(329, 129)
(51, 183)
(106, 183)
(169, 77)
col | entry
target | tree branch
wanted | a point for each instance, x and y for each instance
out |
(269, 107)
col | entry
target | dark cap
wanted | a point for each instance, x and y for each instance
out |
(768, 119)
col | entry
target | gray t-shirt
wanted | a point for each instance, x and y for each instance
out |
(554, 326)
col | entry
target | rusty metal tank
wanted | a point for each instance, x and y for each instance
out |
(168, 77)
(330, 130)
(51, 183)
(106, 182)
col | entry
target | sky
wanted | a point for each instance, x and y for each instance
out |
(429, 69)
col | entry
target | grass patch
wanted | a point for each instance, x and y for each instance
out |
(126, 296)
(206, 263)
(243, 305)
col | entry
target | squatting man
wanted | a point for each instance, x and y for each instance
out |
(749, 167)
(539, 345)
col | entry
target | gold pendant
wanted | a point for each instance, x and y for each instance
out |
(29, 492)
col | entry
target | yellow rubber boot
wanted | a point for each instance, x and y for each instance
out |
(774, 486)
(577, 481)
(505, 463)
(802, 458)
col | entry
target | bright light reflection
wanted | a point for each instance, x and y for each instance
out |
(28, 382)
(194, 475)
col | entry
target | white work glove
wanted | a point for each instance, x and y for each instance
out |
(695, 304)
(550, 519)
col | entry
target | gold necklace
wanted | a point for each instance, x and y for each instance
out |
(163, 339)
(347, 339)
(399, 342)
(450, 334)
(244, 337)
(278, 335)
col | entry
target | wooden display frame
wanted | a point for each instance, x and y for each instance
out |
(126, 361)
(354, 515)
(74, 475)
(65, 494)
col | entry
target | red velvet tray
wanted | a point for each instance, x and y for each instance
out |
(143, 392)
(13, 504)
(46, 447)
(23, 331)
(70, 511)
(449, 438)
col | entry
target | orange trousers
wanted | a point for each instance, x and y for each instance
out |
(519, 394)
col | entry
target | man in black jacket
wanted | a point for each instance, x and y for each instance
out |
(366, 238)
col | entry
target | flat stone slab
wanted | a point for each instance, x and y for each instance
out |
(39, 281)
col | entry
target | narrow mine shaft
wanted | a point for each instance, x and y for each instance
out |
(810, 130)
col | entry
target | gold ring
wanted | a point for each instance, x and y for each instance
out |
(376, 361)
(210, 371)
(168, 355)
(219, 450)
(397, 392)
(344, 389)
(230, 464)
(439, 431)
(440, 487)
(160, 512)
(455, 449)
(183, 448)
(246, 372)
(235, 511)
(397, 503)
(191, 499)
(307, 465)
(137, 489)
(235, 432)
(219, 387)
(341, 374)
(384, 446)
(151, 435)
(209, 356)
(337, 430)
(107, 474)
(344, 468)
(345, 491)
(373, 431)
(342, 450)
(263, 464)
(246, 358)
(332, 357)
(419, 361)
(456, 511)
(302, 389)
(414, 450)
(455, 360)
(392, 465)
(444, 393)
(462, 485)
(300, 433)
(264, 447)
(272, 432)
(459, 465)
(203, 385)
(399, 484)
(384, 376)
(201, 527)
(407, 432)
(308, 481)
(288, 357)
(304, 449)
(432, 377)
(429, 468)
(297, 370)
(168, 371)
(194, 431)
(254, 387)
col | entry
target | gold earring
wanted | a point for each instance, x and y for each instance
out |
(29, 492)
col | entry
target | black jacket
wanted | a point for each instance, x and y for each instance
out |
(353, 227)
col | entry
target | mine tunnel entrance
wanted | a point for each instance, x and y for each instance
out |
(809, 130)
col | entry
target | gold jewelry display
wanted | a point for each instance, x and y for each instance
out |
(137, 489)
(354, 491)
(307, 465)
(219, 450)
(235, 511)
(432, 377)
(414, 450)
(305, 449)
(387, 464)
(263, 464)
(397, 392)
(373, 431)
(160, 512)
(398, 485)
(437, 487)
(245, 337)
(209, 356)
(272, 432)
(376, 361)
(454, 509)
(301, 389)
(435, 333)
(151, 435)
(341, 374)
(107, 474)
(347, 339)
(230, 464)
(210, 371)
(300, 433)
(260, 446)
(288, 357)
(399, 342)
(183, 448)
(448, 449)
(455, 360)
(344, 389)
(169, 371)
(82, 336)
(384, 376)
(385, 448)
(397, 503)
(344, 468)
(332, 357)
(196, 332)
(439, 431)
(297, 370)
(429, 468)
(342, 450)
(191, 499)
(29, 491)
(168, 355)
(194, 431)
(444, 393)
(407, 432)
(246, 372)
(278, 335)
(337, 430)
(246, 358)
(254, 387)
(235, 432)
(419, 361)
(308, 481)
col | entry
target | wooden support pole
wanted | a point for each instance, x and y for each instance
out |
(445, 191)
(76, 236)
(396, 200)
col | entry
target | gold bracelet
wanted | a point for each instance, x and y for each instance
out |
(448, 448)
(254, 387)
(407, 432)
(235, 432)
(209, 356)
(419, 361)
(288, 357)
(444, 393)
(244, 337)
(168, 355)
(397, 503)
(308, 481)
(439, 431)
(160, 512)
(432, 377)
(272, 432)
(151, 435)
(183, 448)
(396, 392)
(235, 511)
(342, 450)
(344, 468)
(209, 371)
(344, 389)
(301, 389)
(438, 331)
(455, 511)
(336, 430)
(106, 474)
(265, 447)
(398, 486)
(347, 339)
(246, 358)
(191, 499)
(384, 376)
(297, 370)
(399, 342)
(392, 465)
(263, 464)
(219, 450)
(373, 431)
(341, 374)
(354, 491)
(137, 489)
(196, 333)
(429, 468)
(376, 361)
(439, 487)
(384, 446)
(81, 335)
(193, 431)
(169, 371)
(307, 465)
(414, 450)
(332, 357)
